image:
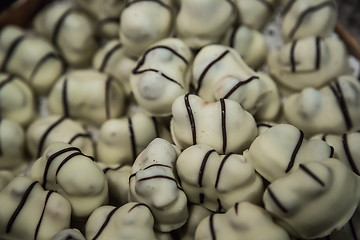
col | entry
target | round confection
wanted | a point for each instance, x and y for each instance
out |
(243, 221)
(281, 149)
(334, 108)
(17, 100)
(143, 23)
(161, 74)
(111, 59)
(216, 181)
(69, 234)
(249, 43)
(308, 62)
(29, 212)
(308, 18)
(203, 22)
(219, 72)
(70, 30)
(345, 148)
(44, 131)
(5, 178)
(70, 97)
(315, 199)
(118, 180)
(31, 57)
(224, 125)
(154, 182)
(121, 140)
(255, 13)
(65, 169)
(130, 221)
(106, 14)
(12, 145)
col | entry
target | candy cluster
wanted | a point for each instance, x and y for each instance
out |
(172, 119)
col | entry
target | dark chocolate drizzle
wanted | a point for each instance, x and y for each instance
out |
(108, 56)
(159, 177)
(10, 52)
(156, 127)
(46, 133)
(276, 200)
(292, 56)
(203, 165)
(239, 84)
(331, 152)
(212, 228)
(220, 168)
(79, 135)
(191, 118)
(138, 205)
(348, 154)
(105, 223)
(107, 97)
(318, 53)
(223, 124)
(132, 138)
(268, 5)
(233, 36)
(207, 68)
(6, 81)
(129, 3)
(264, 125)
(157, 165)
(19, 207)
(201, 198)
(42, 61)
(141, 62)
(63, 162)
(311, 174)
(295, 151)
(64, 98)
(339, 95)
(236, 208)
(288, 7)
(42, 214)
(59, 24)
(324, 137)
(51, 158)
(105, 170)
(308, 11)
(220, 208)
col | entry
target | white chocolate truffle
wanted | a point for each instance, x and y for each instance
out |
(69, 234)
(308, 18)
(315, 199)
(220, 72)
(118, 181)
(223, 125)
(111, 59)
(281, 149)
(308, 62)
(334, 108)
(70, 97)
(161, 75)
(121, 140)
(65, 169)
(12, 145)
(131, 221)
(249, 43)
(29, 212)
(143, 23)
(106, 14)
(153, 182)
(243, 221)
(31, 57)
(216, 181)
(255, 13)
(5, 178)
(346, 148)
(47, 130)
(203, 22)
(72, 31)
(17, 100)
